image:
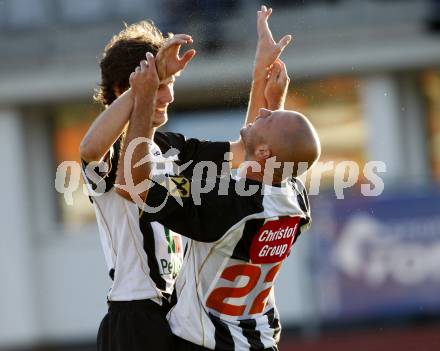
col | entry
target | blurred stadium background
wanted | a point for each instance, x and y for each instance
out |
(367, 73)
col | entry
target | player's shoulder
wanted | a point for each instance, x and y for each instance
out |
(168, 136)
(169, 140)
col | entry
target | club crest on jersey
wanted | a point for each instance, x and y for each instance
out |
(178, 186)
(274, 240)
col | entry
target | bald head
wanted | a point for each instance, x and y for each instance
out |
(292, 138)
(287, 135)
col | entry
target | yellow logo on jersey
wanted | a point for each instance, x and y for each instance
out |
(179, 186)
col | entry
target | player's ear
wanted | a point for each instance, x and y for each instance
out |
(262, 152)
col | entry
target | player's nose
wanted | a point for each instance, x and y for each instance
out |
(165, 96)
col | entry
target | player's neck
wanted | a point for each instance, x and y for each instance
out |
(249, 172)
(151, 133)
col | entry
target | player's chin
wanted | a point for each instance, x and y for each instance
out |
(160, 118)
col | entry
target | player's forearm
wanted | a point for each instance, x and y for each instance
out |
(106, 128)
(256, 99)
(140, 127)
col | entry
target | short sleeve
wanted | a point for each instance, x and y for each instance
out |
(101, 176)
(193, 150)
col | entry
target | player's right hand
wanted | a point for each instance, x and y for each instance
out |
(168, 59)
(144, 81)
(268, 51)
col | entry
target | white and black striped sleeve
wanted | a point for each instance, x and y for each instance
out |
(96, 177)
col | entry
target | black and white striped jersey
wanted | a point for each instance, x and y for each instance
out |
(225, 295)
(143, 257)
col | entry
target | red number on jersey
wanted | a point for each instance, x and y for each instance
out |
(261, 299)
(217, 296)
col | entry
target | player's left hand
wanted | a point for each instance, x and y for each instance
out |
(168, 59)
(268, 51)
(277, 85)
(144, 81)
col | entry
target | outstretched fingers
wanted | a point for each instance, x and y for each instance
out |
(144, 65)
(186, 37)
(264, 13)
(262, 22)
(186, 57)
(178, 39)
(151, 64)
(281, 45)
(172, 46)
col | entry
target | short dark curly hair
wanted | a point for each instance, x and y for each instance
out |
(123, 54)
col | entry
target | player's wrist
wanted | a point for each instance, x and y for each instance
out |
(161, 68)
(145, 98)
(259, 64)
(274, 106)
(275, 102)
(259, 74)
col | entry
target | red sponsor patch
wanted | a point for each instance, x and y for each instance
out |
(274, 240)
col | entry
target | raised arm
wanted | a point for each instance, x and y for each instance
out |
(133, 171)
(106, 128)
(268, 51)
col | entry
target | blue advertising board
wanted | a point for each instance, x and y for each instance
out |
(377, 257)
